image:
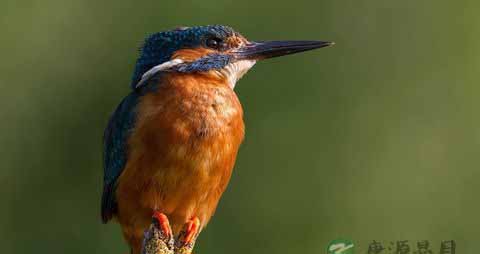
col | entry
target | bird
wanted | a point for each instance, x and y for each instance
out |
(170, 146)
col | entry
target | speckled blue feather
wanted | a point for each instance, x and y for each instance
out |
(159, 47)
(212, 61)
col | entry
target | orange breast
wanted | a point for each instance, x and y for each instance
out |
(181, 152)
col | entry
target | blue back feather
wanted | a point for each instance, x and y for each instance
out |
(115, 150)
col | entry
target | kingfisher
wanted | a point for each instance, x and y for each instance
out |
(171, 144)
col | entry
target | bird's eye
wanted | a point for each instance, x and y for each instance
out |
(214, 43)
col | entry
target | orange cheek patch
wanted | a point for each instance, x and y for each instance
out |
(236, 41)
(190, 55)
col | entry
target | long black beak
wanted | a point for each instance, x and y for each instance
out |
(269, 49)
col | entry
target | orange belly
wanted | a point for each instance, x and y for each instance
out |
(181, 154)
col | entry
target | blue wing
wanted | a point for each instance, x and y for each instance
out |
(115, 141)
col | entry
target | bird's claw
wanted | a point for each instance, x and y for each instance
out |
(158, 239)
(163, 224)
(186, 239)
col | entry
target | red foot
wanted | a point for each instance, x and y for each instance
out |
(163, 222)
(192, 228)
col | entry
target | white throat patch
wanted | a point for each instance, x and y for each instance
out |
(234, 71)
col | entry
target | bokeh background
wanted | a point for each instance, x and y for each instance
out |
(376, 138)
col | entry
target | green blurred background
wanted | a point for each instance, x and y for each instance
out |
(376, 138)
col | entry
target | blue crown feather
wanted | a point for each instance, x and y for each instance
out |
(159, 47)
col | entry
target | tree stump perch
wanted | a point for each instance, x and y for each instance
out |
(156, 241)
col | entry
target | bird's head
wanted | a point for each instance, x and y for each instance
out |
(214, 50)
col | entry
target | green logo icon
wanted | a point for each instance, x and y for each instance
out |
(340, 246)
